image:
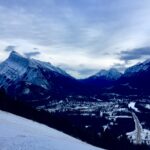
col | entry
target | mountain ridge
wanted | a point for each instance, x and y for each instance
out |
(34, 79)
(20, 75)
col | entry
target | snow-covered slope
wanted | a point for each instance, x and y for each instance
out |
(17, 133)
(102, 79)
(140, 67)
(113, 74)
(137, 77)
(15, 67)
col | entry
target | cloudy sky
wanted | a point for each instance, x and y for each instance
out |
(80, 36)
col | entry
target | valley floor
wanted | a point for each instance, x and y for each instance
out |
(18, 133)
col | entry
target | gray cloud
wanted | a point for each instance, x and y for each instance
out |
(31, 54)
(87, 29)
(10, 48)
(134, 54)
(80, 71)
(120, 67)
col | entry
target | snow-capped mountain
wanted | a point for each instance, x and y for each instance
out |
(102, 79)
(140, 67)
(24, 76)
(112, 74)
(17, 64)
(135, 79)
(31, 79)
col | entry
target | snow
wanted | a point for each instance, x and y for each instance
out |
(137, 68)
(116, 117)
(105, 127)
(14, 66)
(132, 106)
(147, 106)
(145, 135)
(26, 91)
(110, 74)
(139, 135)
(17, 68)
(50, 67)
(18, 133)
(18, 64)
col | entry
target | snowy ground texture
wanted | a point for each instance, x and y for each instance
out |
(145, 136)
(17, 133)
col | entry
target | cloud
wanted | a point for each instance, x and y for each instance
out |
(75, 32)
(120, 66)
(134, 54)
(79, 71)
(10, 48)
(31, 54)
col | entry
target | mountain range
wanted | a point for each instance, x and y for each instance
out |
(30, 79)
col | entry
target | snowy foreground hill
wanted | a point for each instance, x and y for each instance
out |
(17, 133)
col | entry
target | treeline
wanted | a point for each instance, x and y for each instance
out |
(61, 123)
